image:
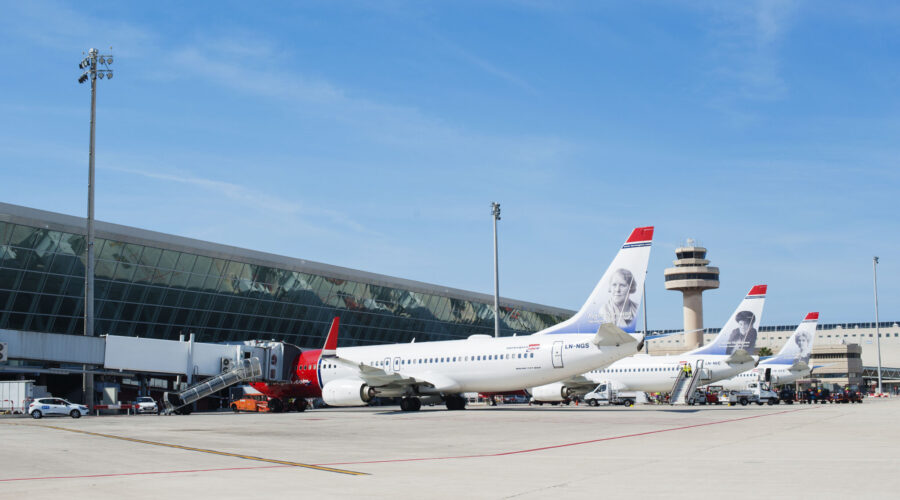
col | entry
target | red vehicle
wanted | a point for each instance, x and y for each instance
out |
(304, 381)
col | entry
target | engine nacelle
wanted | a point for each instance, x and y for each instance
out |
(551, 392)
(347, 392)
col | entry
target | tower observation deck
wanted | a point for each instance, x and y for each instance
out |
(691, 276)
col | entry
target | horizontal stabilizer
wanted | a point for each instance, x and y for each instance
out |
(739, 357)
(799, 366)
(611, 335)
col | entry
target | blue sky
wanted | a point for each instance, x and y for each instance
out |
(376, 136)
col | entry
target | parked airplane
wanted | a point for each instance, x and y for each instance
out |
(790, 364)
(595, 336)
(725, 357)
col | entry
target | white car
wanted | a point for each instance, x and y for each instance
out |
(146, 404)
(55, 406)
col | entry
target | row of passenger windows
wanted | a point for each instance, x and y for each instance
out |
(456, 359)
(634, 370)
(447, 359)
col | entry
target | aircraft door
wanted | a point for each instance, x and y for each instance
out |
(396, 364)
(557, 354)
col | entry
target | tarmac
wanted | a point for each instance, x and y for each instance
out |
(511, 451)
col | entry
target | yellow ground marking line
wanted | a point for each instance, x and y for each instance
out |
(203, 450)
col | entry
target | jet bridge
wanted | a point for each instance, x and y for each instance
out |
(223, 364)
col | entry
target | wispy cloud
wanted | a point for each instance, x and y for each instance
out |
(250, 198)
(485, 65)
(745, 42)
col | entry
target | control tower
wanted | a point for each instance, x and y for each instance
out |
(692, 275)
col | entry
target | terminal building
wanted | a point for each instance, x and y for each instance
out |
(155, 285)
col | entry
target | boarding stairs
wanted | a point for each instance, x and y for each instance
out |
(685, 385)
(246, 369)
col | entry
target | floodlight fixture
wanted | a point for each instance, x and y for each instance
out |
(109, 60)
(109, 75)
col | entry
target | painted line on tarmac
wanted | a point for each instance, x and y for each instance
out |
(89, 476)
(564, 445)
(203, 450)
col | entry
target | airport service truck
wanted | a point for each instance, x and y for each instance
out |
(16, 394)
(756, 392)
(604, 394)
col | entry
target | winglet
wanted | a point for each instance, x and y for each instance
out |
(330, 348)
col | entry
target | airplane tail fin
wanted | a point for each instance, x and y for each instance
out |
(330, 347)
(741, 329)
(617, 297)
(798, 347)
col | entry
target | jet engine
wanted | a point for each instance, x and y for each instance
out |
(551, 392)
(347, 392)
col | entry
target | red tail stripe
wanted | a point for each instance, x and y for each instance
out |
(331, 341)
(641, 234)
(812, 316)
(758, 290)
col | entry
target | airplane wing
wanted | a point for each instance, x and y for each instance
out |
(381, 379)
(580, 385)
(389, 381)
(372, 375)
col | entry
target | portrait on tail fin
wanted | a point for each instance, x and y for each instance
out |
(744, 336)
(620, 310)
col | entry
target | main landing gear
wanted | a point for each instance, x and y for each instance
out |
(410, 404)
(455, 402)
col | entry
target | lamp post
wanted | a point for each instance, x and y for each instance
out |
(495, 212)
(644, 299)
(877, 332)
(94, 66)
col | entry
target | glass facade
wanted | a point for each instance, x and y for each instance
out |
(151, 291)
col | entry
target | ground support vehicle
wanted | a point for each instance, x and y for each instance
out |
(251, 402)
(787, 395)
(707, 397)
(846, 396)
(603, 394)
(757, 393)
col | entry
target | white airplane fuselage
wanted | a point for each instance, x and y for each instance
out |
(779, 374)
(481, 363)
(657, 373)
